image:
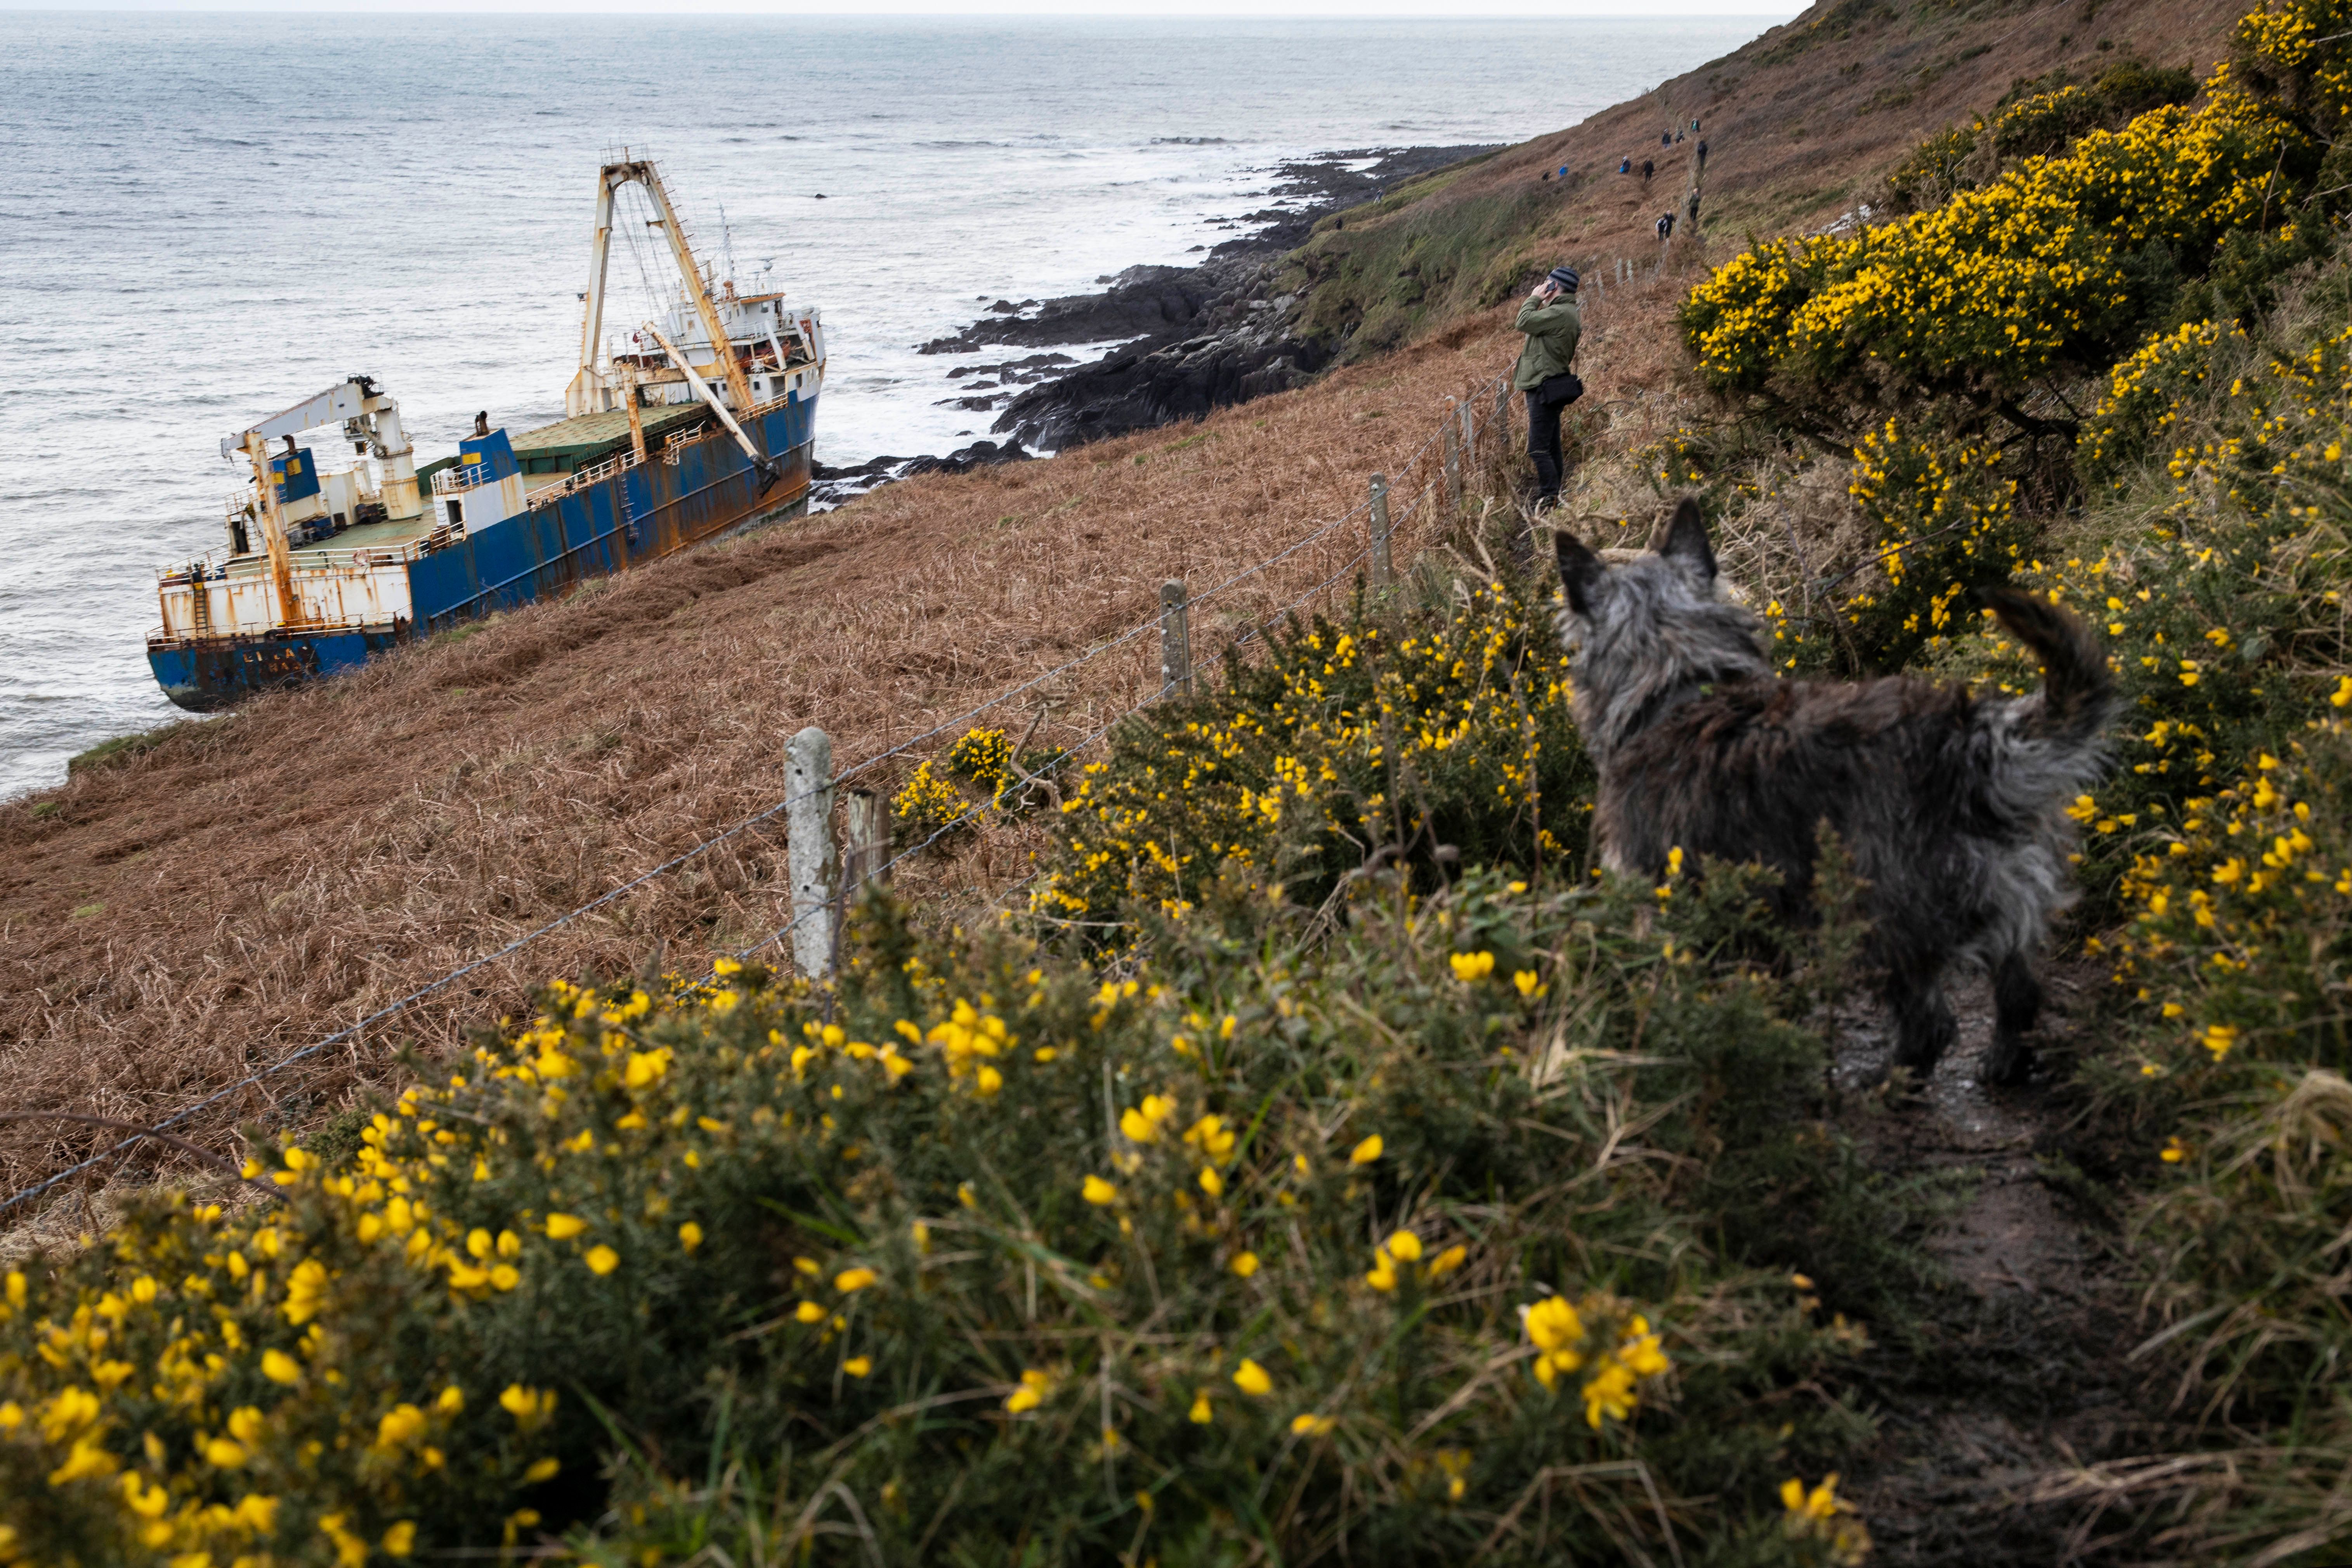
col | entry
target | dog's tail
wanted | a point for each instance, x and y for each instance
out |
(2077, 691)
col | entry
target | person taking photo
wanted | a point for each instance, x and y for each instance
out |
(1552, 325)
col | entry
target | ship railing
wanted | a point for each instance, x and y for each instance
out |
(215, 565)
(447, 482)
(548, 495)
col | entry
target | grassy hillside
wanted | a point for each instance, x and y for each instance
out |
(1802, 124)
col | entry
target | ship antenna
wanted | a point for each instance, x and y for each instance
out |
(727, 241)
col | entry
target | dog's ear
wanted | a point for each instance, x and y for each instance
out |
(1580, 571)
(1687, 543)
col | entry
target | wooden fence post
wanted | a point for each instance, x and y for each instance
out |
(866, 862)
(808, 786)
(1175, 639)
(1453, 469)
(1380, 567)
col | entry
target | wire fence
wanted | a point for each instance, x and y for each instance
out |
(1464, 418)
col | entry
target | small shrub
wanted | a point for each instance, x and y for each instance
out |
(1947, 523)
(925, 804)
(981, 757)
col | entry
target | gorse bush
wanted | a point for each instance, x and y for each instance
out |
(984, 757)
(2053, 270)
(991, 1255)
(1946, 518)
(2143, 401)
(2036, 118)
(1350, 741)
(981, 762)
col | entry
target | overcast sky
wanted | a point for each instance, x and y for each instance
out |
(1766, 11)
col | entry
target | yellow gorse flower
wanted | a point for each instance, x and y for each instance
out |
(1472, 967)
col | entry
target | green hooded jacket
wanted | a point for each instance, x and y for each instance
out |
(1552, 331)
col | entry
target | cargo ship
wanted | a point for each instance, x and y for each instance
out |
(699, 423)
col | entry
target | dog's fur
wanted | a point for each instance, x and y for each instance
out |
(1951, 805)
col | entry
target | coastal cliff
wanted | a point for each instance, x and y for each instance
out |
(1277, 1136)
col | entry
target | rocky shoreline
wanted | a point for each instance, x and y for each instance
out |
(1188, 339)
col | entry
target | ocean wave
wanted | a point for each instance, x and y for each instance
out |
(1191, 141)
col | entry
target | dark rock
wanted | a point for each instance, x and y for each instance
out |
(1191, 339)
(978, 455)
(1185, 380)
(829, 486)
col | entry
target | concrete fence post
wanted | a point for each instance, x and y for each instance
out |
(1469, 429)
(808, 822)
(1503, 416)
(1382, 570)
(1175, 640)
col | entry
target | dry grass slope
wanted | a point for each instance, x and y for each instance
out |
(236, 893)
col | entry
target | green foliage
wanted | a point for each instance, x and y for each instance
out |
(1935, 169)
(1383, 274)
(2240, 954)
(123, 748)
(2039, 117)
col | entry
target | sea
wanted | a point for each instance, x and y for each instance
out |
(207, 217)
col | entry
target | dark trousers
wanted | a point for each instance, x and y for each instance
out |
(1543, 445)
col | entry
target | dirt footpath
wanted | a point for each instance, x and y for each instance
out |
(2017, 1367)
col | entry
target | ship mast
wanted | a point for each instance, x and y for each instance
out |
(584, 395)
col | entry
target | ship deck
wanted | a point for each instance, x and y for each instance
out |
(377, 535)
(585, 439)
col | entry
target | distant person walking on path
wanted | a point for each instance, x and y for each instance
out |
(1665, 139)
(1625, 166)
(1552, 325)
(1665, 226)
(1702, 155)
(1648, 168)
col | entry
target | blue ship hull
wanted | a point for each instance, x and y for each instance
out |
(638, 514)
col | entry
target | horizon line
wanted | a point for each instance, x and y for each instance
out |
(1240, 10)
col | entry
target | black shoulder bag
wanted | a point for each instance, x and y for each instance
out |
(1562, 389)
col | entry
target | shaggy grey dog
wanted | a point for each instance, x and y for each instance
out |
(1951, 805)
